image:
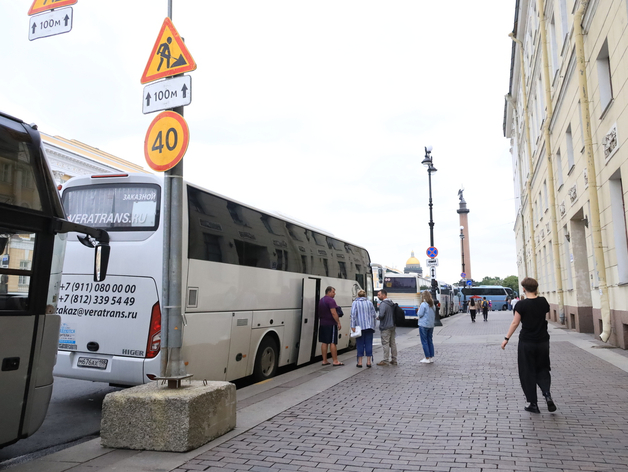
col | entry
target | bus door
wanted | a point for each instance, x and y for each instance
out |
(28, 331)
(309, 300)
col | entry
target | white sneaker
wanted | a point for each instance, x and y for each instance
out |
(424, 361)
(431, 360)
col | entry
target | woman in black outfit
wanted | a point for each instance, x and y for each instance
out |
(533, 350)
(472, 309)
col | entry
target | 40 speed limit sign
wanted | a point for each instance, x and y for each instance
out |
(166, 141)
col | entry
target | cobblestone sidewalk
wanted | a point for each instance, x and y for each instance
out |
(462, 413)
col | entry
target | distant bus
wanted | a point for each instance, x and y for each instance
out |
(251, 283)
(495, 293)
(405, 290)
(445, 297)
(32, 243)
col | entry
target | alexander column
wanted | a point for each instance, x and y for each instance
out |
(464, 237)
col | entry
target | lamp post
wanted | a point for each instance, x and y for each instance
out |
(427, 162)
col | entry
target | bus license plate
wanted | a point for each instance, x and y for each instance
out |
(93, 363)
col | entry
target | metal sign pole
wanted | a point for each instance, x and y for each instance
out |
(172, 319)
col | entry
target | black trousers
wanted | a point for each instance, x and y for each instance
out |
(534, 368)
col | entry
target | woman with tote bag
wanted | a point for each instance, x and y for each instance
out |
(363, 318)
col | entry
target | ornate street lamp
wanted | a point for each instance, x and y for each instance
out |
(427, 162)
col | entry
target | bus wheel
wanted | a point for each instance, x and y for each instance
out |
(266, 360)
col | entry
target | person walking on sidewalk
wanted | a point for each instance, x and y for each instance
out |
(533, 350)
(472, 309)
(426, 326)
(363, 315)
(484, 305)
(387, 328)
(329, 325)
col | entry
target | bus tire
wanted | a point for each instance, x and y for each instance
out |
(266, 360)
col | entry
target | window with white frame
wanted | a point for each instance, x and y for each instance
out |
(567, 259)
(6, 173)
(24, 279)
(558, 169)
(550, 267)
(545, 196)
(570, 156)
(605, 85)
(540, 204)
(620, 232)
(564, 26)
(541, 100)
(553, 49)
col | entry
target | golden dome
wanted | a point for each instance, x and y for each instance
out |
(413, 260)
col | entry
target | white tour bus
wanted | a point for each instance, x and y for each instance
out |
(250, 285)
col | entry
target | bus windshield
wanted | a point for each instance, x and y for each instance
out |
(114, 207)
(400, 284)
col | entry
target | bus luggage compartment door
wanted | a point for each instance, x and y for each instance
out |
(307, 339)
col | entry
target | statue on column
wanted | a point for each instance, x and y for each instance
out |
(461, 196)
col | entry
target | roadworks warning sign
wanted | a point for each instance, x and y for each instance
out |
(169, 56)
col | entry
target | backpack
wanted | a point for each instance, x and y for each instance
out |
(399, 316)
(484, 304)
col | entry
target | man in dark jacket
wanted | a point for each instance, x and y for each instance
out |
(387, 328)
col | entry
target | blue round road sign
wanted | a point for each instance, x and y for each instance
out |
(463, 275)
(469, 283)
(432, 252)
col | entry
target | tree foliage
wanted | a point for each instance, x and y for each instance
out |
(512, 281)
(491, 281)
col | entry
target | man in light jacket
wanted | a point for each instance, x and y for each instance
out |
(387, 328)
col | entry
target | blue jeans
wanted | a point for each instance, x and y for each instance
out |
(426, 341)
(364, 344)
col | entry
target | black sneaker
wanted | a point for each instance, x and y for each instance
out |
(532, 408)
(551, 406)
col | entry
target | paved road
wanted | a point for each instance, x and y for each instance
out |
(74, 416)
(462, 413)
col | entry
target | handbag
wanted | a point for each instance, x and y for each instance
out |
(357, 333)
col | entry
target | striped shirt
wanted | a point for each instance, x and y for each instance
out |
(363, 314)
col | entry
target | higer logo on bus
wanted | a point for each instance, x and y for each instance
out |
(154, 333)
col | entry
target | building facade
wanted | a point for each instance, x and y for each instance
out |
(566, 117)
(70, 158)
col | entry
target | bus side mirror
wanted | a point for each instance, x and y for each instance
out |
(101, 262)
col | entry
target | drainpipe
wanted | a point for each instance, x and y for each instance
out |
(513, 104)
(596, 227)
(526, 115)
(550, 166)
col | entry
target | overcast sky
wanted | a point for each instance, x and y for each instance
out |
(316, 110)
